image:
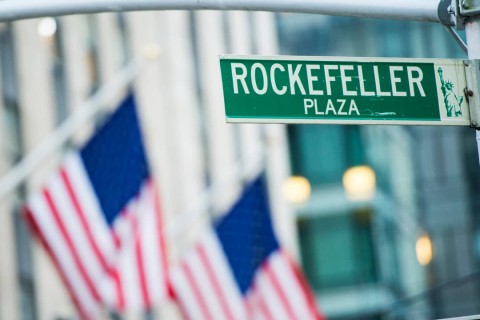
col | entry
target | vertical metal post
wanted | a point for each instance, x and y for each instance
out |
(472, 29)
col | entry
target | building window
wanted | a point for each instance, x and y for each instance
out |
(323, 153)
(92, 55)
(11, 112)
(25, 267)
(59, 75)
(337, 250)
(124, 50)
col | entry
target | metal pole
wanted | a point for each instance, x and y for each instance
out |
(424, 10)
(472, 29)
(474, 317)
(67, 129)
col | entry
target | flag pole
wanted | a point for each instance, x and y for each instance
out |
(56, 139)
(425, 10)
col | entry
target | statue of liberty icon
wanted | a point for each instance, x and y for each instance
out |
(453, 103)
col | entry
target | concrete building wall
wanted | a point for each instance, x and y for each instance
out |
(38, 115)
(8, 283)
(190, 147)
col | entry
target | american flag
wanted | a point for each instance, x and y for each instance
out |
(238, 270)
(99, 219)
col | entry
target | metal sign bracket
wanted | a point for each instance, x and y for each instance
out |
(457, 16)
(458, 12)
(472, 92)
(469, 8)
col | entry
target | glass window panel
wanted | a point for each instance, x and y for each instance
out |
(25, 267)
(323, 153)
(24, 257)
(9, 88)
(13, 143)
(337, 250)
(124, 50)
(92, 55)
(59, 75)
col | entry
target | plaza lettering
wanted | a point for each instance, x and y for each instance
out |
(333, 107)
(313, 79)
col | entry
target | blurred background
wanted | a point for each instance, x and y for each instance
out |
(384, 220)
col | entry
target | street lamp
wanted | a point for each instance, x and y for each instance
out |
(296, 189)
(359, 183)
(47, 27)
(424, 250)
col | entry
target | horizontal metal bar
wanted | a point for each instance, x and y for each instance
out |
(415, 10)
(474, 317)
(462, 122)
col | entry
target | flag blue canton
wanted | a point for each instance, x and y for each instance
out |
(246, 234)
(238, 270)
(99, 219)
(115, 160)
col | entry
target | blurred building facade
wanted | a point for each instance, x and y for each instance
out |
(360, 256)
(49, 67)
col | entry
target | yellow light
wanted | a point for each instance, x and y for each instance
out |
(152, 51)
(359, 183)
(296, 189)
(47, 27)
(424, 250)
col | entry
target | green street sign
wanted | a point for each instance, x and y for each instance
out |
(290, 89)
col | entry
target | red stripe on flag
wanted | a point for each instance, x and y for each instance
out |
(159, 222)
(141, 272)
(69, 242)
(213, 279)
(270, 273)
(116, 239)
(140, 261)
(120, 299)
(181, 305)
(261, 304)
(248, 305)
(34, 226)
(119, 289)
(101, 258)
(196, 290)
(308, 296)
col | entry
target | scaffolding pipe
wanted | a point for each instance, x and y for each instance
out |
(415, 10)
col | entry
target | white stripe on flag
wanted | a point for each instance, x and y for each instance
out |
(73, 226)
(138, 251)
(201, 276)
(91, 208)
(47, 225)
(230, 291)
(290, 286)
(79, 189)
(183, 289)
(269, 295)
(154, 264)
(258, 304)
(127, 263)
(118, 299)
